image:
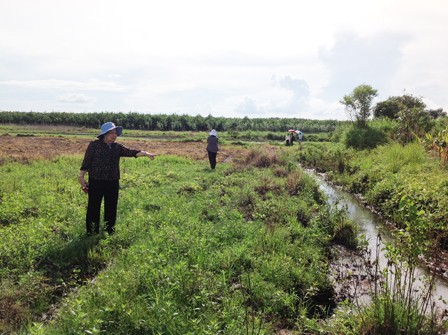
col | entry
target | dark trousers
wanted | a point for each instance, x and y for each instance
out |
(99, 189)
(212, 159)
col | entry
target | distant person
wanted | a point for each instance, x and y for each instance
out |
(212, 147)
(287, 140)
(102, 163)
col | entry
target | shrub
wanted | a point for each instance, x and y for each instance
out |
(364, 137)
(296, 182)
(345, 233)
(258, 158)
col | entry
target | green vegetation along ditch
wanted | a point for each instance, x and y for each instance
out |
(403, 182)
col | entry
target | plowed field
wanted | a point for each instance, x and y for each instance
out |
(27, 148)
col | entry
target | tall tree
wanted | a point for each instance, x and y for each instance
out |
(358, 103)
(388, 108)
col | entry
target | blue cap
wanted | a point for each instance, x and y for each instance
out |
(108, 126)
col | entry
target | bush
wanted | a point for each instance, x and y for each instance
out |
(257, 158)
(364, 137)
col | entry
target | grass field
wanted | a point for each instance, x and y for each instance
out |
(240, 250)
(206, 250)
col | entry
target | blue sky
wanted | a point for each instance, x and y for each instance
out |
(279, 58)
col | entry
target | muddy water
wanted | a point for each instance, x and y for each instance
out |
(371, 225)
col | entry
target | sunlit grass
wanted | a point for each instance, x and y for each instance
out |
(195, 251)
(239, 250)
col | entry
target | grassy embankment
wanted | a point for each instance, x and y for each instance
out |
(388, 176)
(407, 185)
(242, 250)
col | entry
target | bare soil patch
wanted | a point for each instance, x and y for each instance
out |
(26, 148)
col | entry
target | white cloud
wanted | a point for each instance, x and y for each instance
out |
(233, 58)
(75, 98)
(354, 60)
(247, 107)
(90, 85)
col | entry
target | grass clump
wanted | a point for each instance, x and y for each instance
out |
(258, 157)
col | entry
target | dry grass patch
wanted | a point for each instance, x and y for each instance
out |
(24, 149)
(259, 157)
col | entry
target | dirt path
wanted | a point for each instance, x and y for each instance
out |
(24, 149)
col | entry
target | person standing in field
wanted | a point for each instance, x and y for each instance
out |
(102, 163)
(299, 138)
(212, 148)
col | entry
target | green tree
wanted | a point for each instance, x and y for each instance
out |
(409, 101)
(414, 122)
(436, 113)
(358, 103)
(410, 111)
(392, 107)
(388, 108)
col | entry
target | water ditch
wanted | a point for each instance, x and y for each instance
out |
(348, 268)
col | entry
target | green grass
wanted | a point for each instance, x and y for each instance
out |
(239, 250)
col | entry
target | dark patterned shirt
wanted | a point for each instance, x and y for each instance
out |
(102, 160)
(212, 143)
